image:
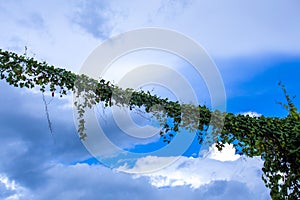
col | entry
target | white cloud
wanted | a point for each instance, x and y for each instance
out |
(82, 181)
(199, 172)
(151, 164)
(52, 31)
(227, 153)
(230, 28)
(251, 114)
(47, 30)
(10, 190)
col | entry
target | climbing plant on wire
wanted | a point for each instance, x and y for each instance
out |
(275, 140)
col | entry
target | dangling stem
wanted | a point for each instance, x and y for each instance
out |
(48, 117)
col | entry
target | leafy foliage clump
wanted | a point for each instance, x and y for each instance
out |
(276, 140)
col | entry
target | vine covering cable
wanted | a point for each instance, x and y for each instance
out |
(275, 139)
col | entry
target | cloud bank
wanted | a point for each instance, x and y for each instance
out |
(33, 166)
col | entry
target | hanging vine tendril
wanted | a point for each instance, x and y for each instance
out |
(48, 116)
(275, 139)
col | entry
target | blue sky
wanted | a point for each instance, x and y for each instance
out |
(254, 45)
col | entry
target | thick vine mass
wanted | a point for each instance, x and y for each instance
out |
(276, 140)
